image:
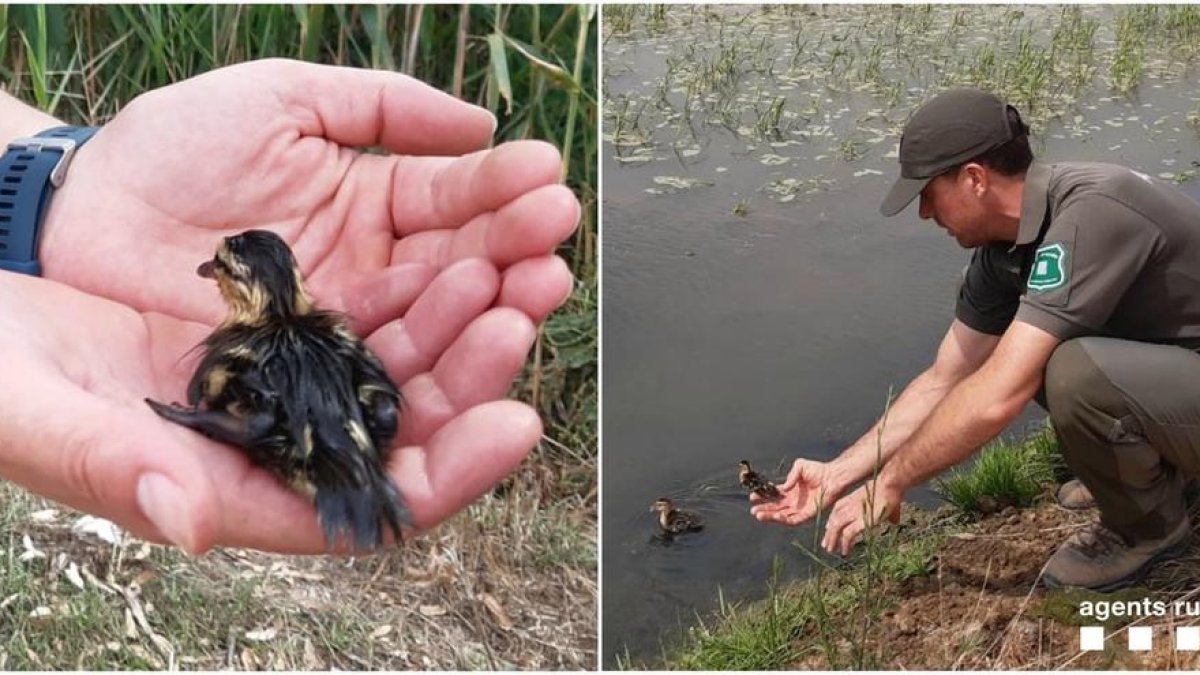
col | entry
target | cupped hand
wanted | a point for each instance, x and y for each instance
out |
(275, 144)
(859, 511)
(74, 427)
(810, 487)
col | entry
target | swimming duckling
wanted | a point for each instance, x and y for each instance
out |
(674, 521)
(293, 387)
(755, 483)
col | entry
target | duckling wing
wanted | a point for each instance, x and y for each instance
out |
(343, 439)
(686, 521)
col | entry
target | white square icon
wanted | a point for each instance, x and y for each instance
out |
(1187, 638)
(1091, 638)
(1140, 638)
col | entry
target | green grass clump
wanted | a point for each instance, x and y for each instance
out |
(829, 616)
(759, 637)
(1005, 474)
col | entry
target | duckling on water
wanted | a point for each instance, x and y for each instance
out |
(755, 483)
(293, 387)
(674, 521)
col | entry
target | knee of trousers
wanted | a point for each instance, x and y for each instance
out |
(1074, 385)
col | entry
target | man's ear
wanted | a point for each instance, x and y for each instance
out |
(978, 177)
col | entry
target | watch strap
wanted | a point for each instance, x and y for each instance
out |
(30, 170)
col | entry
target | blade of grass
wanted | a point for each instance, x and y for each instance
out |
(498, 57)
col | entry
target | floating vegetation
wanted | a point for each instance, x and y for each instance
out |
(675, 184)
(762, 83)
(787, 189)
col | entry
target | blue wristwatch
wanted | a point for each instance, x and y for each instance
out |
(30, 170)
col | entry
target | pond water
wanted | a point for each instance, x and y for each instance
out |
(755, 304)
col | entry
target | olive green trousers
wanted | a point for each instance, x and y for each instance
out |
(1127, 415)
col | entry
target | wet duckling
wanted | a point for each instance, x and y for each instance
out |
(755, 483)
(674, 521)
(293, 387)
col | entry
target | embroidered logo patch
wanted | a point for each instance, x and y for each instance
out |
(1049, 268)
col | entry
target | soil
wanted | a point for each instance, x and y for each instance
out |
(982, 606)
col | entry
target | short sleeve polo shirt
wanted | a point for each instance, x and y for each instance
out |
(1101, 250)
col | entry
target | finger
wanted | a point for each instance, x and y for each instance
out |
(852, 535)
(432, 193)
(466, 457)
(380, 296)
(480, 366)
(358, 107)
(533, 224)
(536, 286)
(833, 529)
(146, 477)
(794, 475)
(449, 304)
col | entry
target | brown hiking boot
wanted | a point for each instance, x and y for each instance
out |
(1100, 559)
(1075, 496)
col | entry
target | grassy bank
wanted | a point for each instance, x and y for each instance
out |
(957, 587)
(511, 582)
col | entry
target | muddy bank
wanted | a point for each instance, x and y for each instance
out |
(949, 593)
(982, 607)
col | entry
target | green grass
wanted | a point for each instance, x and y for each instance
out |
(828, 615)
(1006, 473)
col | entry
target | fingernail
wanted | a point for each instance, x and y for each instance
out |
(165, 504)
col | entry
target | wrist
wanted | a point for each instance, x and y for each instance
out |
(33, 168)
(18, 120)
(889, 479)
(842, 474)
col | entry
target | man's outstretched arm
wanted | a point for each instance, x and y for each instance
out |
(973, 413)
(811, 485)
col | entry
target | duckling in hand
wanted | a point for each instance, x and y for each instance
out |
(293, 387)
(755, 483)
(674, 521)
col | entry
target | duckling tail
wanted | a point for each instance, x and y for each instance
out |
(361, 511)
(354, 496)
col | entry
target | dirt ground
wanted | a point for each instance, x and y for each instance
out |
(983, 608)
(468, 595)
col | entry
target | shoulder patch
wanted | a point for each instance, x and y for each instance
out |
(1049, 269)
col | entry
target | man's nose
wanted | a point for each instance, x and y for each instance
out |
(924, 209)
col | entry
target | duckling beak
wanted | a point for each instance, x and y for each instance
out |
(206, 270)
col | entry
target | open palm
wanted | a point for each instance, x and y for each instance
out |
(443, 263)
(271, 145)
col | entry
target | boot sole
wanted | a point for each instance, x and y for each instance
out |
(1173, 551)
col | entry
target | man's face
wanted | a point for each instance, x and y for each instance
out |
(953, 201)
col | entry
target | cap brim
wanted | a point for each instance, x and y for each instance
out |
(903, 192)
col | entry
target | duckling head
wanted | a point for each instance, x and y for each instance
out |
(744, 465)
(258, 277)
(662, 505)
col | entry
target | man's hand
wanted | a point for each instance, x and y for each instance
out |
(274, 145)
(74, 427)
(866, 507)
(810, 487)
(428, 252)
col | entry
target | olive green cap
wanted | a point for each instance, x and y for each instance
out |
(950, 129)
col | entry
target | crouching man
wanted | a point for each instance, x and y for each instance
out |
(1084, 292)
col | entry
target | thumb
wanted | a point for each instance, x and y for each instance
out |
(795, 474)
(118, 461)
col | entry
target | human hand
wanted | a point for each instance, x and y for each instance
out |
(866, 507)
(272, 145)
(809, 488)
(74, 427)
